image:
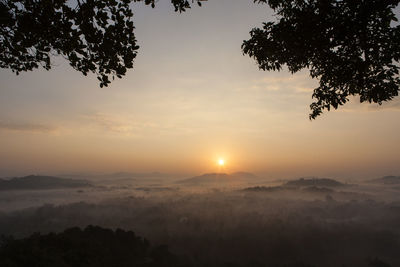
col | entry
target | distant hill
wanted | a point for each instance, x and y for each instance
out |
(317, 189)
(387, 180)
(242, 175)
(264, 189)
(271, 189)
(206, 178)
(320, 182)
(136, 174)
(218, 178)
(117, 175)
(36, 182)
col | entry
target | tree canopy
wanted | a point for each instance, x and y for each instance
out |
(95, 246)
(351, 47)
(93, 35)
(91, 247)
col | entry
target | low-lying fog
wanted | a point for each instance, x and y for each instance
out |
(218, 218)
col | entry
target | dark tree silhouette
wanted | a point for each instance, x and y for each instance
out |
(377, 263)
(95, 246)
(352, 47)
(93, 35)
(92, 247)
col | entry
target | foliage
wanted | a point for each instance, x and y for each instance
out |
(352, 47)
(378, 263)
(100, 247)
(180, 5)
(94, 35)
(93, 246)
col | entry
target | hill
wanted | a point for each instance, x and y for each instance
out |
(243, 175)
(37, 182)
(321, 182)
(271, 189)
(218, 179)
(264, 189)
(387, 180)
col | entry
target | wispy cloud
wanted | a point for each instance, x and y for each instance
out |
(355, 106)
(300, 83)
(125, 125)
(110, 123)
(393, 105)
(118, 124)
(26, 127)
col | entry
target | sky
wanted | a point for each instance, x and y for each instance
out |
(191, 99)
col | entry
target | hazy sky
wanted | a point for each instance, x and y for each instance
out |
(191, 98)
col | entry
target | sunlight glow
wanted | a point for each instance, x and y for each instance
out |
(221, 162)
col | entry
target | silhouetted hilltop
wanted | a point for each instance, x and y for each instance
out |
(117, 175)
(136, 174)
(246, 175)
(264, 189)
(37, 182)
(321, 182)
(206, 178)
(310, 189)
(318, 189)
(387, 180)
(218, 178)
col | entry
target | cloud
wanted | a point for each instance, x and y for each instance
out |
(119, 124)
(126, 125)
(26, 127)
(354, 105)
(300, 83)
(110, 123)
(393, 105)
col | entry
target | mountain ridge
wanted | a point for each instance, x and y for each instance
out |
(40, 182)
(217, 177)
(390, 179)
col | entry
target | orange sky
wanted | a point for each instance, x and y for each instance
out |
(191, 99)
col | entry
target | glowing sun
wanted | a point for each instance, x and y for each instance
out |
(221, 162)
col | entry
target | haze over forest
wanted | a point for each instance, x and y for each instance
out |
(217, 219)
(196, 157)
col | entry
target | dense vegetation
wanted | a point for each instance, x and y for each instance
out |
(99, 247)
(241, 228)
(38, 182)
(91, 247)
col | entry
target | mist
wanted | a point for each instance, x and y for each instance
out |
(218, 219)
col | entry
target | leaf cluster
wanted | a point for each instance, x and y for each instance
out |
(94, 36)
(179, 5)
(352, 47)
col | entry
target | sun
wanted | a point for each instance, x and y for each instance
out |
(221, 162)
